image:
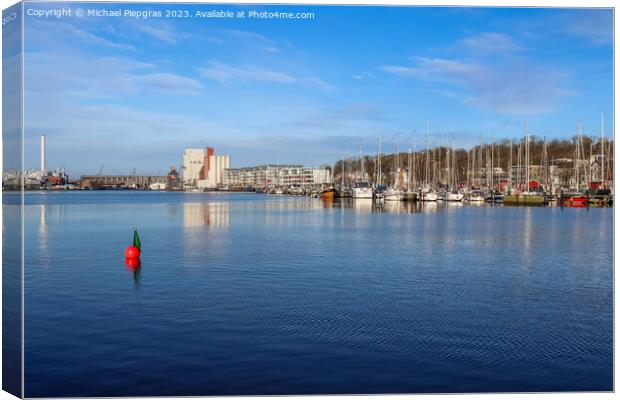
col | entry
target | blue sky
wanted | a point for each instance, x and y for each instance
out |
(125, 92)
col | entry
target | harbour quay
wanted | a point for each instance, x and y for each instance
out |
(122, 181)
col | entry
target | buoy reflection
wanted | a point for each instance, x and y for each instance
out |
(134, 266)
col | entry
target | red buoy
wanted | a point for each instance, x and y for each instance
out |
(132, 252)
(132, 263)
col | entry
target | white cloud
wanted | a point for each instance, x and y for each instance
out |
(44, 31)
(318, 83)
(163, 32)
(241, 34)
(227, 74)
(574, 26)
(511, 87)
(89, 37)
(256, 39)
(363, 75)
(595, 26)
(71, 75)
(166, 83)
(490, 43)
(440, 70)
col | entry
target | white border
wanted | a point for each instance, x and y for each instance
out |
(465, 3)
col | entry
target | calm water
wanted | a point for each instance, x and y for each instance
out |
(249, 294)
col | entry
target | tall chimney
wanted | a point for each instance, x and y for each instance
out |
(43, 167)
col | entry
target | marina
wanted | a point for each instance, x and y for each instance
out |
(531, 172)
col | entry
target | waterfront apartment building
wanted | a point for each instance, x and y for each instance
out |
(274, 175)
(203, 169)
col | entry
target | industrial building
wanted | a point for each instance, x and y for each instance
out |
(120, 181)
(203, 169)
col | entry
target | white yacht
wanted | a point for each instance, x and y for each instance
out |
(429, 196)
(454, 196)
(362, 190)
(476, 197)
(394, 194)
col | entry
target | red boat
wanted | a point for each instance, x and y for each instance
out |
(575, 201)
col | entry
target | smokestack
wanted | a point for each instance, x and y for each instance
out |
(43, 167)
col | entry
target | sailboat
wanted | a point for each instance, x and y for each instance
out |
(453, 195)
(395, 193)
(411, 181)
(577, 198)
(379, 176)
(526, 196)
(476, 196)
(428, 194)
(329, 191)
(362, 188)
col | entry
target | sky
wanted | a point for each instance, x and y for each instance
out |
(118, 93)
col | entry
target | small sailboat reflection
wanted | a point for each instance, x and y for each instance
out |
(134, 266)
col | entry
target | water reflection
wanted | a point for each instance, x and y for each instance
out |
(43, 239)
(366, 206)
(213, 215)
(206, 226)
(363, 206)
(429, 207)
(527, 236)
(135, 267)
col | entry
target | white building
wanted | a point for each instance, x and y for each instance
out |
(203, 169)
(193, 161)
(320, 176)
(274, 175)
(214, 172)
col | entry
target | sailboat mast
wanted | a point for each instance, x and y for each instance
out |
(492, 158)
(510, 168)
(409, 166)
(602, 157)
(414, 169)
(519, 165)
(379, 172)
(454, 171)
(447, 181)
(576, 161)
(590, 166)
(527, 158)
(396, 165)
(342, 172)
(427, 166)
(467, 176)
(544, 163)
(363, 172)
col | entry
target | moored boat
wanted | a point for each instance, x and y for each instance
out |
(393, 194)
(328, 193)
(454, 196)
(362, 190)
(429, 196)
